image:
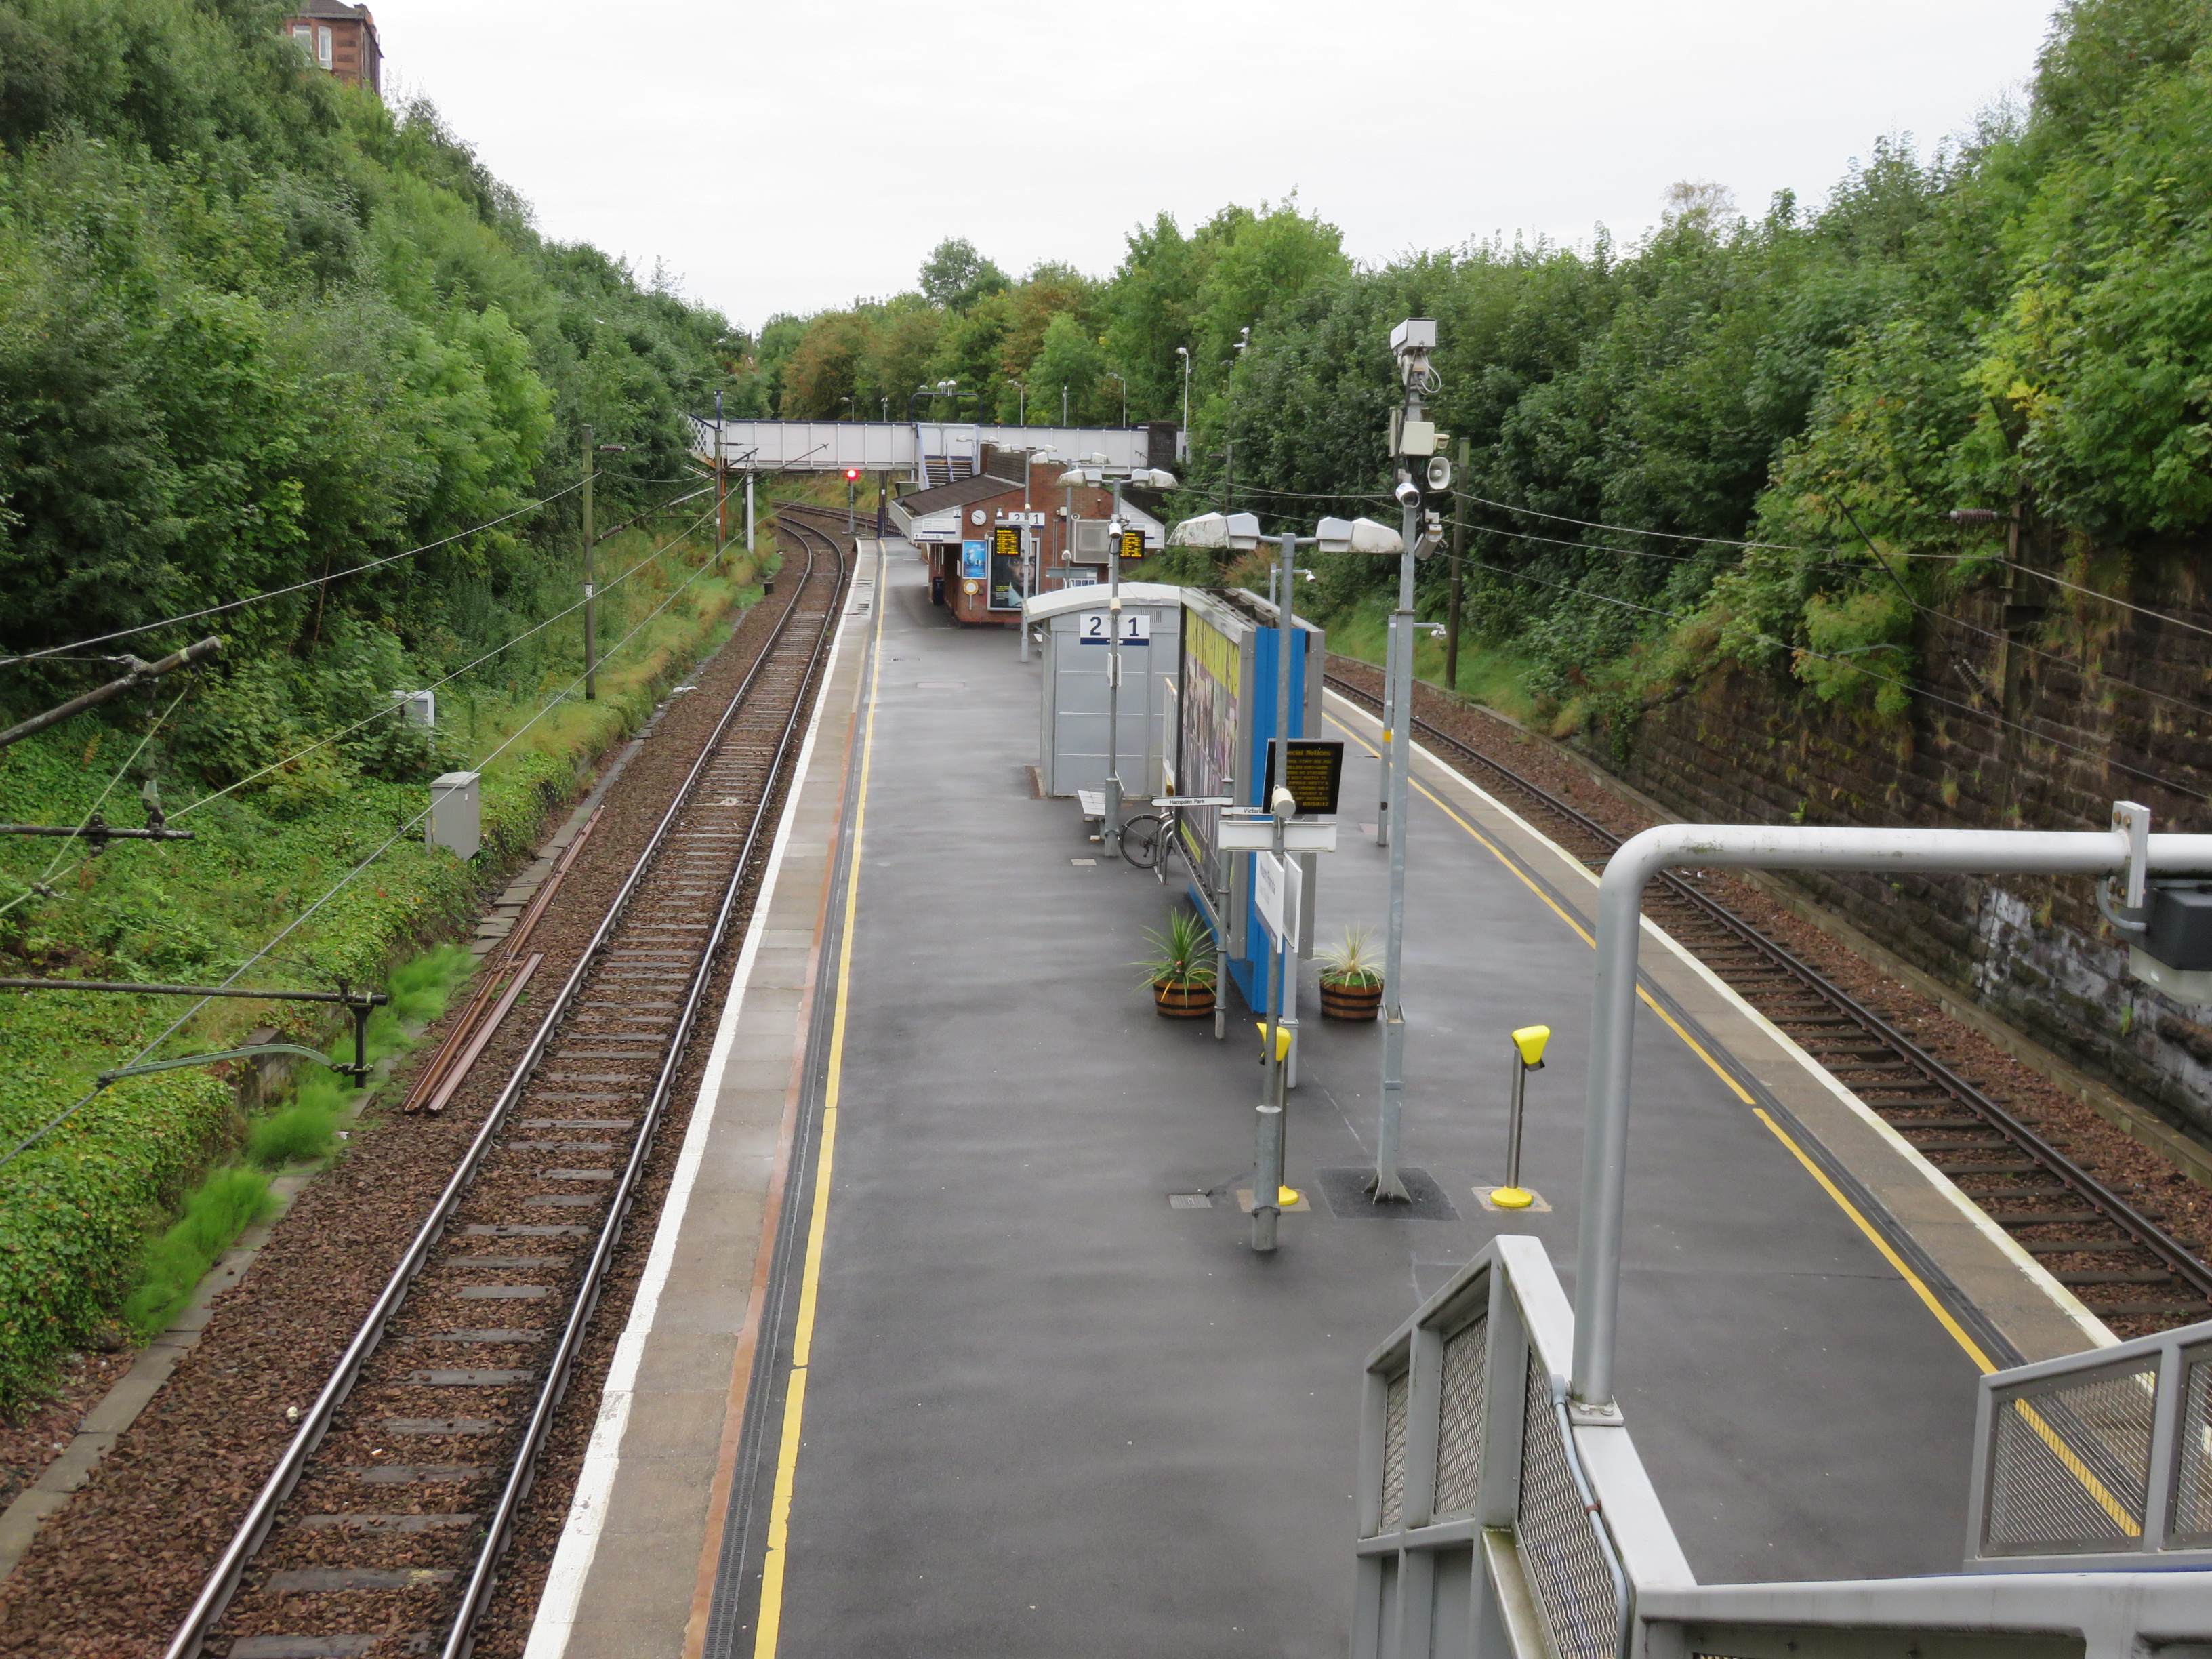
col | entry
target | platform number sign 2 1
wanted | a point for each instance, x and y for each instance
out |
(1136, 628)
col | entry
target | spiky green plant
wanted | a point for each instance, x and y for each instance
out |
(1183, 957)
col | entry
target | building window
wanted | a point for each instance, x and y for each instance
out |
(323, 46)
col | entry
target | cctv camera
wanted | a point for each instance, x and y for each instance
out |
(1408, 493)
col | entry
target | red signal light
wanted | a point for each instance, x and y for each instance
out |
(851, 475)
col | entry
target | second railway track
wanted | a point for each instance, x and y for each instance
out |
(2101, 1245)
(382, 1526)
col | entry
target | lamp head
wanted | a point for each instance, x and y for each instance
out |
(1357, 535)
(1239, 532)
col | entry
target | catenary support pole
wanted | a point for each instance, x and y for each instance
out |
(591, 592)
(748, 515)
(1613, 1022)
(1458, 577)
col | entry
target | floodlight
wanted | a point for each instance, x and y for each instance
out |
(1357, 535)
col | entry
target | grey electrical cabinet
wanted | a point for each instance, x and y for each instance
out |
(1074, 625)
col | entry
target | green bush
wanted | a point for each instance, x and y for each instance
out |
(225, 1206)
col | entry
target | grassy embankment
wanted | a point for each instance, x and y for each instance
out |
(86, 1214)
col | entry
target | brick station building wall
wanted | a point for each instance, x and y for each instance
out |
(1760, 748)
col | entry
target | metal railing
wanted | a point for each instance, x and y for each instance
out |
(2100, 1459)
(1499, 1519)
(1494, 1517)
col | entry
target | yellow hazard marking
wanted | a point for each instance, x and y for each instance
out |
(2121, 1515)
(809, 1282)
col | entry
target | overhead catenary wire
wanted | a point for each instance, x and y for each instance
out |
(332, 891)
(294, 587)
(1831, 563)
(387, 712)
(69, 847)
(1887, 679)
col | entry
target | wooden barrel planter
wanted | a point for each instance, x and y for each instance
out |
(1350, 1001)
(1182, 1001)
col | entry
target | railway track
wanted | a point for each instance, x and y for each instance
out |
(2110, 1251)
(382, 1526)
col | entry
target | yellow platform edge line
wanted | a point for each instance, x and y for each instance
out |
(2096, 1489)
(769, 1624)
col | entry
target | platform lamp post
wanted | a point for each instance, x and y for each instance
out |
(1125, 396)
(1116, 478)
(1030, 454)
(1183, 352)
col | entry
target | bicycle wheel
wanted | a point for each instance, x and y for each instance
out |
(1140, 840)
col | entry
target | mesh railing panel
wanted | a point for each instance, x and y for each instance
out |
(1558, 1536)
(2191, 1524)
(1459, 1435)
(2070, 1466)
(1394, 1451)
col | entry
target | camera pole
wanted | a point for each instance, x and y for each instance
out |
(1411, 342)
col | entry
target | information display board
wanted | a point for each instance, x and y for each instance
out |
(1006, 569)
(1314, 774)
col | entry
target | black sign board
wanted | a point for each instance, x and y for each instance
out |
(1133, 545)
(1315, 776)
(1006, 541)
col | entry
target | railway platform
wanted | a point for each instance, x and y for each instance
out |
(951, 1340)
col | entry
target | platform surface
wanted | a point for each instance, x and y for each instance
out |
(1038, 1407)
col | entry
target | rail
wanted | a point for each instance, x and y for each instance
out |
(224, 1581)
(1908, 1086)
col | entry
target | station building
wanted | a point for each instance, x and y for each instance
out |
(987, 538)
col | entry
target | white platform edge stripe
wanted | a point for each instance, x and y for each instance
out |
(2093, 1328)
(555, 1617)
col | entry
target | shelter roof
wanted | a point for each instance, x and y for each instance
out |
(1092, 595)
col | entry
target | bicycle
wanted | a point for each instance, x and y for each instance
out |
(1148, 835)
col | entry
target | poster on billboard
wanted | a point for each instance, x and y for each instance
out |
(1210, 724)
(972, 555)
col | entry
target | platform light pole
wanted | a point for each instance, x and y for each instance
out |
(1125, 397)
(1116, 478)
(1183, 352)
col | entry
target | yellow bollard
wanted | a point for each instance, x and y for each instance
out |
(1527, 1054)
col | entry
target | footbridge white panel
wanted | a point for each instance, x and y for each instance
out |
(902, 447)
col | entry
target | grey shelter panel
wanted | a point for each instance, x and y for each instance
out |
(1073, 749)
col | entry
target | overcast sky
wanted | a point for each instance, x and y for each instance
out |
(789, 157)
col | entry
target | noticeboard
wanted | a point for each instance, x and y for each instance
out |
(972, 556)
(1314, 774)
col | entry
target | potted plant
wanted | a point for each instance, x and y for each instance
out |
(1181, 969)
(1351, 978)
